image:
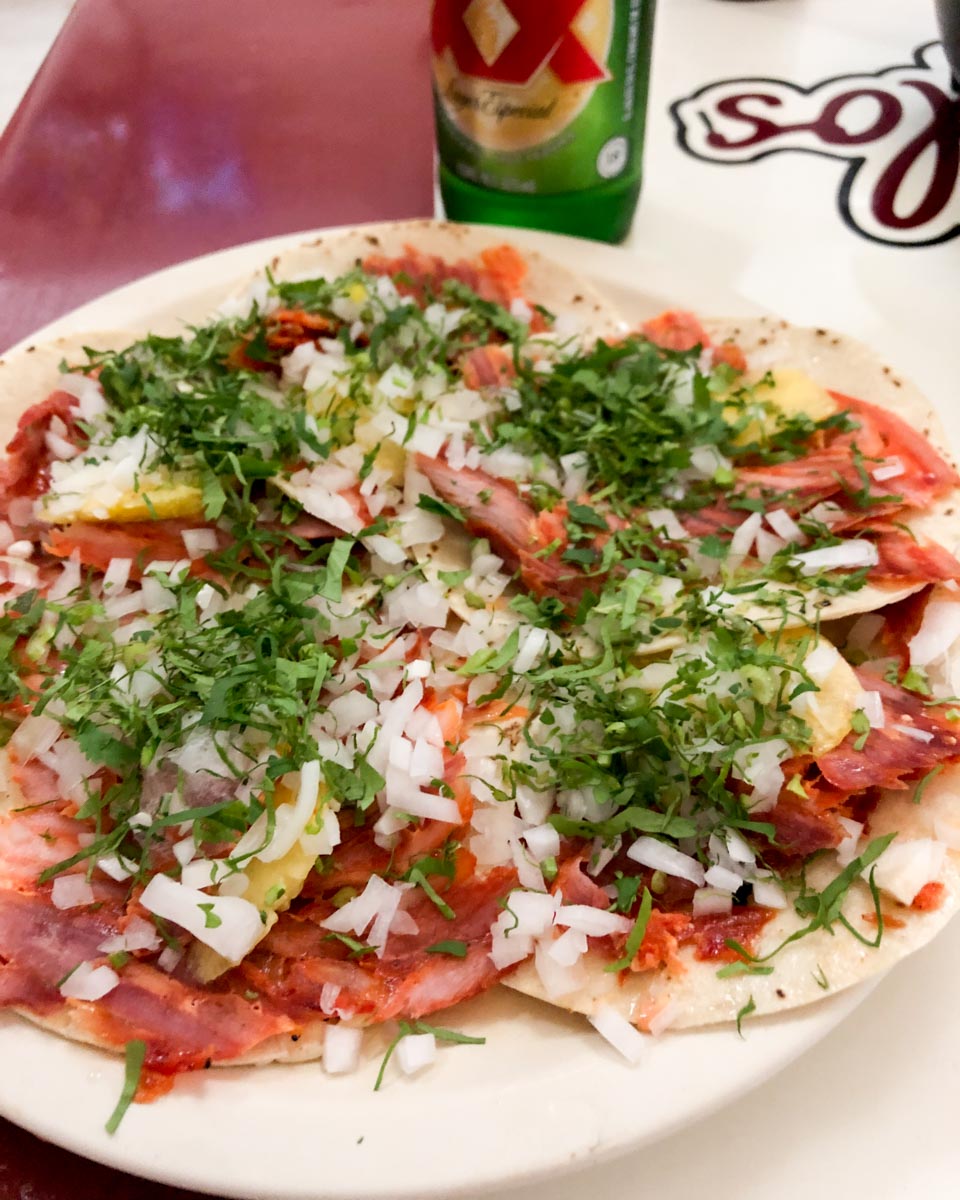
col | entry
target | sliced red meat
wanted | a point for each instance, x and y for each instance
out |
(32, 841)
(39, 944)
(743, 924)
(892, 758)
(799, 484)
(905, 559)
(298, 958)
(731, 355)
(487, 366)
(901, 621)
(494, 509)
(883, 434)
(310, 529)
(578, 888)
(184, 1027)
(499, 276)
(289, 327)
(675, 330)
(803, 826)
(25, 470)
(419, 983)
(142, 541)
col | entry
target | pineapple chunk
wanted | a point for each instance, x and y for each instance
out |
(829, 711)
(271, 887)
(157, 499)
(794, 394)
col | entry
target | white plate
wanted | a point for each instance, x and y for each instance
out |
(545, 1093)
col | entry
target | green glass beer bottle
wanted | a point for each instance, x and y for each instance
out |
(540, 108)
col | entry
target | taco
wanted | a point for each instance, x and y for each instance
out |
(366, 637)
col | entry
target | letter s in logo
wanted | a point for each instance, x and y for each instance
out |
(897, 129)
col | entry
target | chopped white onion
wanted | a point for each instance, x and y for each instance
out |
(911, 731)
(88, 982)
(543, 842)
(239, 928)
(847, 847)
(707, 900)
(532, 642)
(618, 1031)
(744, 536)
(659, 856)
(784, 526)
(416, 1051)
(892, 469)
(738, 848)
(138, 935)
(568, 948)
(558, 980)
(375, 907)
(169, 958)
(758, 764)
(290, 820)
(872, 705)
(821, 661)
(198, 542)
(723, 880)
(34, 736)
(661, 1021)
(666, 520)
(594, 922)
(849, 555)
(71, 891)
(768, 545)
(904, 867)
(341, 1049)
(116, 867)
(385, 548)
(769, 893)
(507, 946)
(534, 913)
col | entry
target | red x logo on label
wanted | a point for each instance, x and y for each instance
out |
(543, 37)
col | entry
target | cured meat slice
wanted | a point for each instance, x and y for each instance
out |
(494, 509)
(144, 542)
(914, 739)
(298, 957)
(25, 470)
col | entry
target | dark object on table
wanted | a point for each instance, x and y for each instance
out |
(32, 1170)
(155, 132)
(948, 16)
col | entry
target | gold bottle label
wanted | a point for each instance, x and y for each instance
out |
(512, 74)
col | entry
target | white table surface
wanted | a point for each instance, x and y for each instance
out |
(871, 1111)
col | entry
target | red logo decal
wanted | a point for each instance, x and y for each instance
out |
(524, 36)
(898, 129)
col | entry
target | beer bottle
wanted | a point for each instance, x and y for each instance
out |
(540, 108)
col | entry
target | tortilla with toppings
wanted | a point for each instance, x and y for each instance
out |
(377, 636)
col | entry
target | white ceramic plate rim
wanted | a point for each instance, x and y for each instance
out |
(544, 1095)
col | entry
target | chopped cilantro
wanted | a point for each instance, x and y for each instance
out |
(134, 1056)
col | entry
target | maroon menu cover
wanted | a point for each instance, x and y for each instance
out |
(157, 131)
